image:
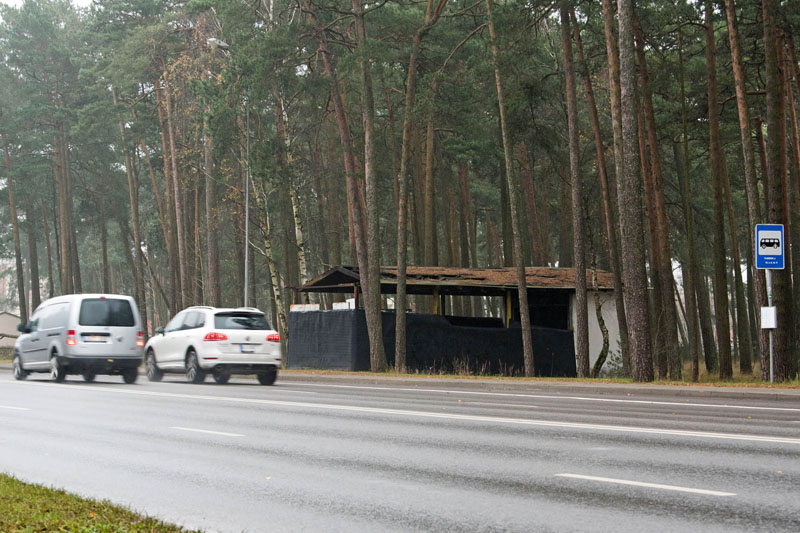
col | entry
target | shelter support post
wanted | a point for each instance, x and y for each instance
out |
(507, 309)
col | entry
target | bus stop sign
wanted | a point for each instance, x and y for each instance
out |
(769, 246)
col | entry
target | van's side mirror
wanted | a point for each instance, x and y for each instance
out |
(160, 330)
(23, 328)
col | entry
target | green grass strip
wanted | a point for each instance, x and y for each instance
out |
(27, 507)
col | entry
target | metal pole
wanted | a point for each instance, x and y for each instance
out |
(769, 303)
(247, 202)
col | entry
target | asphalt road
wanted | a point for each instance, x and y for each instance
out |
(322, 456)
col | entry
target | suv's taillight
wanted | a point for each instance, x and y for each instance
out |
(140, 340)
(274, 337)
(215, 336)
(71, 340)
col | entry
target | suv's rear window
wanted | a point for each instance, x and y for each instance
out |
(240, 321)
(106, 312)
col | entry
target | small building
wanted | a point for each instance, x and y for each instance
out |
(8, 329)
(438, 339)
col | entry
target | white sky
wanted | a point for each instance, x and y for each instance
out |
(17, 3)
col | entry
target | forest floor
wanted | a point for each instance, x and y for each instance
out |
(28, 507)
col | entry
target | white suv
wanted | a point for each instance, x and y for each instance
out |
(221, 341)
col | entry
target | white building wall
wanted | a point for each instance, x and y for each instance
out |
(609, 310)
(8, 326)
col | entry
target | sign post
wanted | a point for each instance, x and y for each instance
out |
(769, 256)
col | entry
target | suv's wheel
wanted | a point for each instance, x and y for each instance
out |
(151, 368)
(57, 372)
(89, 376)
(221, 376)
(19, 372)
(194, 374)
(268, 377)
(129, 375)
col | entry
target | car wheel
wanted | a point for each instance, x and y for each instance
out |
(89, 376)
(151, 368)
(221, 376)
(194, 374)
(268, 377)
(19, 372)
(57, 372)
(129, 375)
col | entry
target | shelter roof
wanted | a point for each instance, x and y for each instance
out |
(462, 281)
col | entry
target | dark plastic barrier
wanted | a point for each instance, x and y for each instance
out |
(338, 340)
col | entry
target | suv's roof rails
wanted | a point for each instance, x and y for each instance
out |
(200, 307)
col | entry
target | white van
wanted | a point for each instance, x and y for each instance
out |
(85, 334)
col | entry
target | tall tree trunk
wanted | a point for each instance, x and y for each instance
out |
(64, 225)
(657, 304)
(74, 258)
(751, 187)
(171, 227)
(689, 280)
(373, 308)
(104, 242)
(133, 196)
(432, 14)
(276, 292)
(670, 318)
(612, 53)
(33, 253)
(578, 230)
(213, 293)
(629, 192)
(565, 243)
(514, 201)
(681, 151)
(790, 68)
(534, 220)
(776, 171)
(183, 285)
(429, 226)
(718, 178)
(48, 247)
(706, 323)
(742, 326)
(609, 206)
(23, 304)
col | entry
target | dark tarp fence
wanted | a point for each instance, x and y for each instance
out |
(337, 340)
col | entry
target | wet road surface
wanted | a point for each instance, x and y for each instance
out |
(306, 456)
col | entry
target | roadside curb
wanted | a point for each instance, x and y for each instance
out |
(522, 386)
(538, 386)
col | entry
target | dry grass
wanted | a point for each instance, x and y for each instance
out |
(5, 354)
(704, 379)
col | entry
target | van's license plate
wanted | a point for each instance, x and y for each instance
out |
(244, 348)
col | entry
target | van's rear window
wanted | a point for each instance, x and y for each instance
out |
(240, 321)
(106, 312)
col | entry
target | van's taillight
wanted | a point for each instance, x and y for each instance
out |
(215, 336)
(71, 340)
(274, 337)
(140, 340)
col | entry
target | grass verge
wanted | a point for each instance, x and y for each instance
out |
(5, 354)
(28, 507)
(704, 379)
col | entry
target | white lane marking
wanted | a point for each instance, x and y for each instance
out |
(500, 404)
(648, 485)
(14, 408)
(425, 414)
(224, 434)
(556, 397)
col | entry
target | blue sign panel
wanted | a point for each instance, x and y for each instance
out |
(769, 246)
